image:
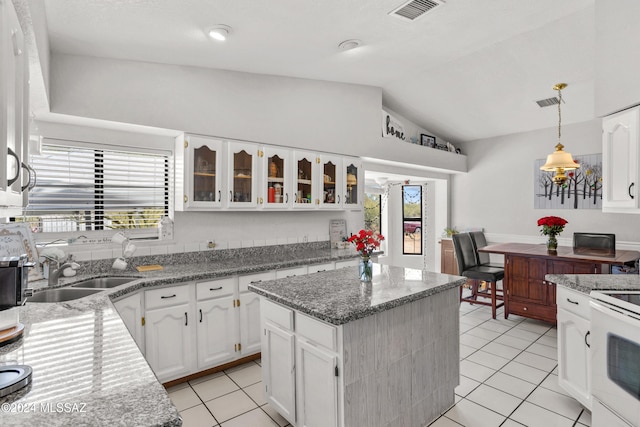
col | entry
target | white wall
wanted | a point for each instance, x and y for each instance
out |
(497, 193)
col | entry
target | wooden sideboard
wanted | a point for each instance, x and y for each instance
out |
(448, 262)
(527, 293)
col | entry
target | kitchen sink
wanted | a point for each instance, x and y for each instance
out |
(103, 282)
(62, 294)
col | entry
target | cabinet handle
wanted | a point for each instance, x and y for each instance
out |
(167, 296)
(15, 178)
(338, 199)
(585, 339)
(33, 179)
(630, 187)
(200, 315)
(231, 196)
(186, 319)
(215, 289)
(573, 302)
(256, 281)
(219, 195)
(286, 197)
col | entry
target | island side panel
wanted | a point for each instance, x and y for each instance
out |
(401, 366)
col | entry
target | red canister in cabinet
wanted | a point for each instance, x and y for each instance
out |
(271, 195)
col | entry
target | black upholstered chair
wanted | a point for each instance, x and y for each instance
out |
(468, 267)
(480, 241)
(596, 243)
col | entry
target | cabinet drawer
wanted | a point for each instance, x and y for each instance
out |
(321, 267)
(215, 288)
(166, 297)
(244, 281)
(290, 272)
(316, 331)
(573, 301)
(277, 314)
(347, 263)
(533, 311)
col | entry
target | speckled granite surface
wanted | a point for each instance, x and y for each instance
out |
(590, 282)
(338, 296)
(87, 370)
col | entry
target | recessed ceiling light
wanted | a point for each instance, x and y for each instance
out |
(349, 44)
(219, 32)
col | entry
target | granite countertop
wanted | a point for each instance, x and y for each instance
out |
(338, 296)
(590, 282)
(87, 370)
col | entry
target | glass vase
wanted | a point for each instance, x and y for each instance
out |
(365, 269)
(552, 243)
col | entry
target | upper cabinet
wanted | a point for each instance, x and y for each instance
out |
(212, 174)
(242, 175)
(14, 114)
(620, 141)
(199, 173)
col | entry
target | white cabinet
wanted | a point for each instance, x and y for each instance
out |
(170, 335)
(352, 186)
(242, 174)
(199, 175)
(14, 96)
(291, 272)
(305, 178)
(620, 141)
(217, 322)
(130, 310)
(276, 179)
(574, 352)
(316, 268)
(330, 178)
(250, 332)
(300, 366)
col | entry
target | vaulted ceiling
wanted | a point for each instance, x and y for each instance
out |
(465, 70)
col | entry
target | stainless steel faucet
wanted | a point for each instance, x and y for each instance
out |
(54, 273)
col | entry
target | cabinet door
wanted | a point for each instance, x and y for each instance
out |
(12, 60)
(278, 358)
(217, 331)
(249, 323)
(203, 172)
(130, 311)
(574, 356)
(242, 175)
(526, 277)
(353, 178)
(169, 341)
(317, 386)
(448, 263)
(620, 139)
(330, 170)
(276, 191)
(305, 178)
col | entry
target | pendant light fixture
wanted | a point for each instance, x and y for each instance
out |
(559, 161)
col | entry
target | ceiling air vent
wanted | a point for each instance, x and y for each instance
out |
(547, 102)
(414, 9)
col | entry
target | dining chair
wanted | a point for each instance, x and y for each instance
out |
(480, 241)
(469, 267)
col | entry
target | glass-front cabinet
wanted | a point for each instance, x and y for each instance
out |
(275, 167)
(353, 183)
(201, 180)
(330, 179)
(305, 180)
(242, 174)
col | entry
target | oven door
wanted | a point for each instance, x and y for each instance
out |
(615, 351)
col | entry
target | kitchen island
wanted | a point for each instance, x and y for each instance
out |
(379, 354)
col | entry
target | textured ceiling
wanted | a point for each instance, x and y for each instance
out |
(466, 70)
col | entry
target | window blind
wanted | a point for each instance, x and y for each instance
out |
(96, 188)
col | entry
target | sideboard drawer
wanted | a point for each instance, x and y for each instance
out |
(277, 314)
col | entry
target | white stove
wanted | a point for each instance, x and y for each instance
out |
(615, 352)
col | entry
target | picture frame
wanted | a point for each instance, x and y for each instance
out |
(427, 140)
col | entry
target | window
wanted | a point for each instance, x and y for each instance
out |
(412, 219)
(81, 187)
(372, 212)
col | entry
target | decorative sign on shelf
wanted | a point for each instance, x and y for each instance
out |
(338, 233)
(583, 189)
(391, 127)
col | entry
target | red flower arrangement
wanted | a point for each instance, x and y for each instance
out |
(552, 225)
(366, 241)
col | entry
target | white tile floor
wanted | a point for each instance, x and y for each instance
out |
(508, 378)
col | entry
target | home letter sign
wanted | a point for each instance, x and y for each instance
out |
(391, 127)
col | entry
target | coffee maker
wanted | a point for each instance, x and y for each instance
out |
(13, 280)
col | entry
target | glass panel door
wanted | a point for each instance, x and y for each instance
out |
(205, 175)
(304, 197)
(275, 181)
(351, 194)
(330, 176)
(242, 190)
